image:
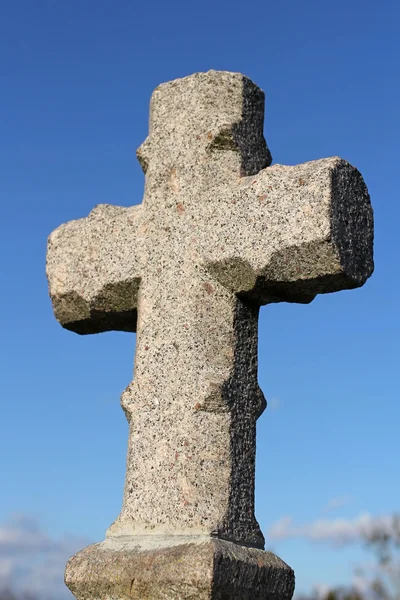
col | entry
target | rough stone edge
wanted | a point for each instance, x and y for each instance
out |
(177, 568)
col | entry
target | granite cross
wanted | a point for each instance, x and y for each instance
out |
(219, 233)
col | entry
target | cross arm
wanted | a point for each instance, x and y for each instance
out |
(292, 232)
(92, 268)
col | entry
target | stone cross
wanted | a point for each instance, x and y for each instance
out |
(219, 233)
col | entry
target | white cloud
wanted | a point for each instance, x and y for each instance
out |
(321, 590)
(33, 561)
(336, 531)
(21, 533)
(336, 503)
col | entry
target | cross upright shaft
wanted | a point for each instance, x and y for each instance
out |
(219, 233)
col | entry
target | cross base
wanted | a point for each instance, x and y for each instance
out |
(177, 568)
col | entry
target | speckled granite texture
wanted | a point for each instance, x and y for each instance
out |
(193, 569)
(219, 233)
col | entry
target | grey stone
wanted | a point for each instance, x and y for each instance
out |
(219, 233)
(155, 568)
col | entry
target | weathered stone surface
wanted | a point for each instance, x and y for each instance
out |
(195, 569)
(92, 269)
(219, 233)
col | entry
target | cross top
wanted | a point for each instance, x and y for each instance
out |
(208, 124)
(219, 233)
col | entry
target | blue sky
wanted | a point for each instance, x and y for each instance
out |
(76, 79)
